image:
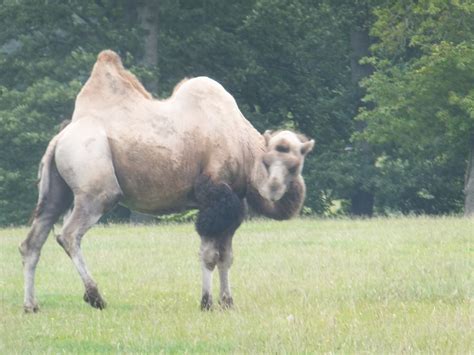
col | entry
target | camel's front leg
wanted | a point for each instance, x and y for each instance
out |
(221, 213)
(223, 264)
(209, 257)
(216, 252)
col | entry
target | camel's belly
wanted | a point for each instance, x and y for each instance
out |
(155, 179)
(152, 200)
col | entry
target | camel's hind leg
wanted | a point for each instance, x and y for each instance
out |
(84, 160)
(47, 213)
(86, 212)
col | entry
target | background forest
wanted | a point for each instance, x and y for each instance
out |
(386, 88)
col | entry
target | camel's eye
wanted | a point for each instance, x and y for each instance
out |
(282, 148)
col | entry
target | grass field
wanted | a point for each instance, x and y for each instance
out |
(342, 286)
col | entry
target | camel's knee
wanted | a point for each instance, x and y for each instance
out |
(23, 249)
(36, 237)
(221, 210)
(29, 253)
(226, 258)
(33, 241)
(209, 254)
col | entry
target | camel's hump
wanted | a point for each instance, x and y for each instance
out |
(110, 62)
(109, 56)
(108, 84)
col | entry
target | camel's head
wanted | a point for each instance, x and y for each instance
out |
(282, 161)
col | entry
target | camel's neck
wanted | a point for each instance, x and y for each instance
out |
(285, 208)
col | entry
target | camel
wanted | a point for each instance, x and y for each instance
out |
(194, 149)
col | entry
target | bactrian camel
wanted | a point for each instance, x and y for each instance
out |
(192, 150)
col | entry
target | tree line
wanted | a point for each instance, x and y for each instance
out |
(384, 87)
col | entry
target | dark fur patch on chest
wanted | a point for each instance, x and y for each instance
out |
(220, 209)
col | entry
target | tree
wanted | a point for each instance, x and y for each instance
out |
(46, 52)
(362, 193)
(422, 119)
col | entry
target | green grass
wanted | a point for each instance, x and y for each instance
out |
(342, 286)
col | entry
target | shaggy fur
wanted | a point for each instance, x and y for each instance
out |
(221, 210)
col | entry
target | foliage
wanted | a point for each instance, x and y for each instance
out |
(287, 63)
(24, 134)
(183, 217)
(422, 93)
(46, 54)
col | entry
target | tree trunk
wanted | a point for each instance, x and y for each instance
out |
(360, 43)
(469, 182)
(148, 18)
(362, 199)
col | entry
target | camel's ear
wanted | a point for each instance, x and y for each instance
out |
(306, 147)
(267, 135)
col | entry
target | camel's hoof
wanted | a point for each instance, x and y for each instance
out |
(31, 308)
(206, 302)
(226, 302)
(93, 297)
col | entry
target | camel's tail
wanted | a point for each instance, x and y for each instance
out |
(44, 173)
